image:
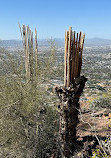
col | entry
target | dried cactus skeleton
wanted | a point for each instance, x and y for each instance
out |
(70, 94)
(27, 39)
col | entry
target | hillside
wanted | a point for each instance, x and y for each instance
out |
(29, 112)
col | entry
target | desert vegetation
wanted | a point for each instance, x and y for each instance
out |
(29, 118)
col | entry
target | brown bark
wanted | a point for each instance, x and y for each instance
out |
(69, 108)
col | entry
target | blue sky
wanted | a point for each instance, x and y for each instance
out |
(53, 17)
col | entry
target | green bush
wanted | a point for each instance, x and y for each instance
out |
(28, 117)
(104, 151)
(101, 102)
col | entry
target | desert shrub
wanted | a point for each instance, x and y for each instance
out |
(28, 115)
(101, 102)
(105, 151)
(28, 126)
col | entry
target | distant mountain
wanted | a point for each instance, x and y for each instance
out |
(41, 42)
(59, 42)
(88, 42)
(97, 42)
(45, 42)
(10, 43)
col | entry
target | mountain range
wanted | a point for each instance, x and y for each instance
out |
(59, 42)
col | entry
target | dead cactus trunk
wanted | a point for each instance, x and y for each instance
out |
(70, 94)
(69, 109)
(30, 54)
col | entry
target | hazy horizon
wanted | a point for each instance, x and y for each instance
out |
(62, 38)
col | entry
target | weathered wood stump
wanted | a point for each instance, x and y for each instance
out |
(69, 109)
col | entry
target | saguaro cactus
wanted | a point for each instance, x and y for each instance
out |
(69, 95)
(30, 65)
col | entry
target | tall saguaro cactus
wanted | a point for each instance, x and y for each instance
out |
(69, 95)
